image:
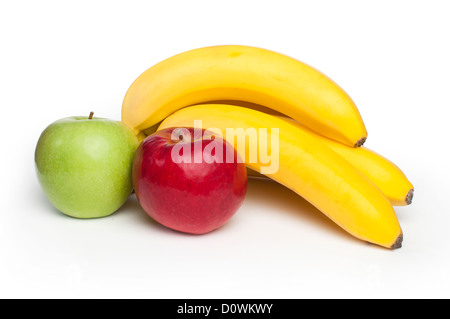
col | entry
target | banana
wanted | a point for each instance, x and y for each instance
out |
(309, 168)
(389, 178)
(235, 72)
(384, 173)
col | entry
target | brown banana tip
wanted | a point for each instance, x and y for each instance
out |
(398, 242)
(360, 142)
(409, 197)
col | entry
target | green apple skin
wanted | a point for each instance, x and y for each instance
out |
(84, 165)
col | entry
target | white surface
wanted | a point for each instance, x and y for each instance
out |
(60, 59)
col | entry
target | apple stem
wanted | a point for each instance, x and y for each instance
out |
(91, 115)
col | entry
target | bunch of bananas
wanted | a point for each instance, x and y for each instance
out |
(320, 130)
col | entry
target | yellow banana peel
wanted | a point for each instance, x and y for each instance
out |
(255, 75)
(308, 167)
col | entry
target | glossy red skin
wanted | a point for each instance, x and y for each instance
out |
(192, 197)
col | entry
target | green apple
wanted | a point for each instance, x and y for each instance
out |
(84, 165)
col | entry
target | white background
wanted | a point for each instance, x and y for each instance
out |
(65, 58)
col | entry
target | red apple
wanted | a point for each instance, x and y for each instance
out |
(188, 179)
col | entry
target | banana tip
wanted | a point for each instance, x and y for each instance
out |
(398, 242)
(409, 197)
(360, 142)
